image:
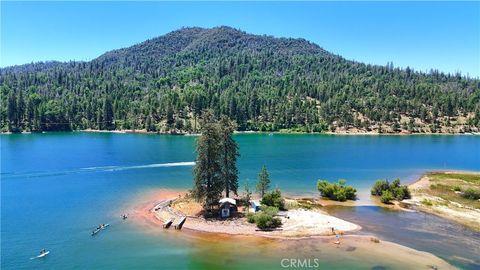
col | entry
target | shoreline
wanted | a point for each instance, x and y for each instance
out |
(466, 216)
(363, 245)
(342, 133)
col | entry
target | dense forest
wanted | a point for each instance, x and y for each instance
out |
(261, 82)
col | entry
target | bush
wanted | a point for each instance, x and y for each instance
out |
(251, 218)
(471, 194)
(336, 191)
(395, 190)
(401, 192)
(274, 199)
(379, 187)
(266, 221)
(270, 210)
(457, 188)
(387, 196)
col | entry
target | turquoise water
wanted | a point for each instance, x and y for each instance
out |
(56, 187)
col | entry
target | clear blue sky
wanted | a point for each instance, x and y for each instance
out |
(422, 35)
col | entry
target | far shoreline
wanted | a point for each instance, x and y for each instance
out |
(143, 131)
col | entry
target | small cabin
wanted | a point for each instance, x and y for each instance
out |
(228, 207)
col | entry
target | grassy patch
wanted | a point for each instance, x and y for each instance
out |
(467, 177)
(453, 187)
(427, 202)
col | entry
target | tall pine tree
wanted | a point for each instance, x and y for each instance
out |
(229, 153)
(208, 184)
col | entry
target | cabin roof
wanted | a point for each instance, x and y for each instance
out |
(228, 200)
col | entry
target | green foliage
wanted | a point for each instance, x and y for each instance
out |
(427, 202)
(379, 187)
(471, 194)
(274, 199)
(386, 197)
(260, 82)
(263, 181)
(390, 191)
(215, 168)
(251, 217)
(229, 155)
(265, 219)
(336, 191)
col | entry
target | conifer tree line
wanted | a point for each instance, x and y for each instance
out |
(215, 170)
(262, 83)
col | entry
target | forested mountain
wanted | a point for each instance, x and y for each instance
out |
(263, 83)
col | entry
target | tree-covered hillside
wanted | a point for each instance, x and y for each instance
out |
(263, 83)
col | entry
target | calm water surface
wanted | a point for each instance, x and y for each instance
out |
(56, 186)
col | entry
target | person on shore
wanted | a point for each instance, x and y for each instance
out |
(337, 236)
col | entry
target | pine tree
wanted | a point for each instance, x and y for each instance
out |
(208, 184)
(263, 181)
(108, 114)
(230, 153)
(12, 112)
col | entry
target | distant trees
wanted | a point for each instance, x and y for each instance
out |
(263, 183)
(165, 85)
(107, 115)
(215, 169)
(336, 191)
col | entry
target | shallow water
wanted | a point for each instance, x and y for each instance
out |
(56, 187)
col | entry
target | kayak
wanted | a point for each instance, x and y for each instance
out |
(99, 229)
(41, 255)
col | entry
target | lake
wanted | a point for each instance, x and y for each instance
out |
(56, 187)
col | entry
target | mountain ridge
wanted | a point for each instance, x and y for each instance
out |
(262, 82)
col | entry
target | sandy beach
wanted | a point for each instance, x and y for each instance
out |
(297, 232)
(450, 210)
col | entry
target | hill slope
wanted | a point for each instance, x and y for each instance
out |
(262, 82)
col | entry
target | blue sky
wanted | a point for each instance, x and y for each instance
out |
(422, 35)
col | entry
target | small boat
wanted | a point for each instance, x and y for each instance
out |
(97, 230)
(43, 254)
(167, 224)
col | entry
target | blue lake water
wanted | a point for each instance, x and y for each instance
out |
(55, 187)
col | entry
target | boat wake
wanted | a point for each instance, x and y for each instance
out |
(97, 169)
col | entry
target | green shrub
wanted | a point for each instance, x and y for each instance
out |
(395, 190)
(274, 199)
(457, 188)
(471, 194)
(379, 187)
(387, 196)
(336, 191)
(251, 218)
(270, 210)
(401, 193)
(266, 221)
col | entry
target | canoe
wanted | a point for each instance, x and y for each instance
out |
(98, 230)
(41, 255)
